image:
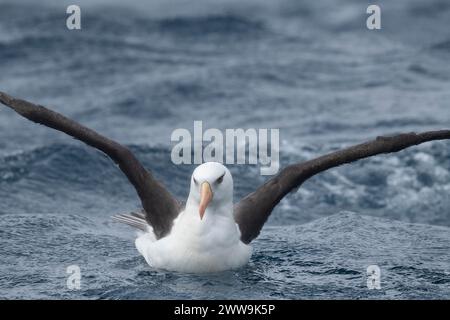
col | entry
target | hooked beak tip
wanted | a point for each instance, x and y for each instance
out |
(205, 198)
(202, 213)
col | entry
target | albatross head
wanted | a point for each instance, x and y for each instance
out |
(211, 187)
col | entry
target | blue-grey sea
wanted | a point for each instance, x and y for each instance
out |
(137, 70)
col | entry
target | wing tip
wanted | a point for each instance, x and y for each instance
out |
(4, 98)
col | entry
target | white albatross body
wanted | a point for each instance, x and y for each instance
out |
(200, 243)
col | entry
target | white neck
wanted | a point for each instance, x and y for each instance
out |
(217, 228)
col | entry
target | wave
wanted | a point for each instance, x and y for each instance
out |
(204, 26)
(442, 46)
(326, 258)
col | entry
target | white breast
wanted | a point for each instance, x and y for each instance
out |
(209, 245)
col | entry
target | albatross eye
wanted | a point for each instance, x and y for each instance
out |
(195, 181)
(220, 179)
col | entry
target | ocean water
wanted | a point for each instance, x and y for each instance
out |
(138, 71)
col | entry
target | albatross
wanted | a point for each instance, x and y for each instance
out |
(209, 232)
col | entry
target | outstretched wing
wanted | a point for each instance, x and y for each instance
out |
(253, 210)
(161, 208)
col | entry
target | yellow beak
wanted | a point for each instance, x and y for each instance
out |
(206, 196)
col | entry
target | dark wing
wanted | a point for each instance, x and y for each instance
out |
(253, 210)
(159, 205)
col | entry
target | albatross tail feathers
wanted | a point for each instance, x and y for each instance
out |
(133, 219)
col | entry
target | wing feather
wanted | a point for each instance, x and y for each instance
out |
(253, 210)
(160, 207)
